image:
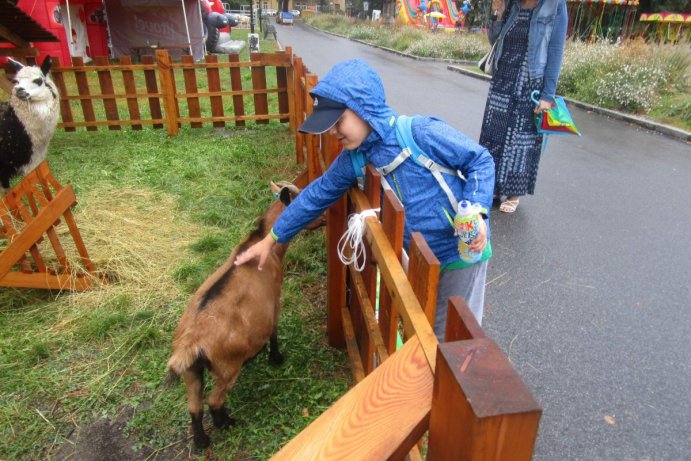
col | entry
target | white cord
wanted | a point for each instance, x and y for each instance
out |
(353, 239)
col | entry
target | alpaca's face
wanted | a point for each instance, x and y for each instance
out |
(33, 86)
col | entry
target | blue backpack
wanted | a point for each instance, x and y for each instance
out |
(410, 149)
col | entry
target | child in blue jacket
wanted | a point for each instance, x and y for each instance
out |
(349, 102)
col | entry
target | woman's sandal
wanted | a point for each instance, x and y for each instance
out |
(508, 206)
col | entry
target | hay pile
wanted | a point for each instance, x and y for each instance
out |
(135, 239)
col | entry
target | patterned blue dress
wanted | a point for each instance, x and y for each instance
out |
(508, 128)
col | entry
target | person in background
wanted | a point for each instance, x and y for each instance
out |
(434, 22)
(531, 35)
(349, 103)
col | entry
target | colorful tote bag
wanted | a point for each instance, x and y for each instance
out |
(556, 120)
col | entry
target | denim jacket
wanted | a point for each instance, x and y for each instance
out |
(545, 40)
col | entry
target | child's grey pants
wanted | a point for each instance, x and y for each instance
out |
(468, 283)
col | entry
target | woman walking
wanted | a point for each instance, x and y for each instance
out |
(531, 36)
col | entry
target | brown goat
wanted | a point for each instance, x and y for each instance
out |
(230, 318)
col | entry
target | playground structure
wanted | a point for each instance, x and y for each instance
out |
(666, 27)
(422, 13)
(464, 393)
(591, 20)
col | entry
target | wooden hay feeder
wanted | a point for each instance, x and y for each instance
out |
(30, 211)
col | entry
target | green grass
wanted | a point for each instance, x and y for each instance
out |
(68, 359)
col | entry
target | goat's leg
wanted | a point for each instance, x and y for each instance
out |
(194, 380)
(275, 355)
(225, 374)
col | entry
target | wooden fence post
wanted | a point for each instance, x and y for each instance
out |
(461, 324)
(336, 218)
(65, 108)
(152, 89)
(369, 273)
(392, 221)
(84, 93)
(290, 91)
(312, 141)
(131, 89)
(213, 79)
(170, 102)
(300, 97)
(423, 274)
(190, 76)
(105, 81)
(236, 85)
(261, 101)
(481, 409)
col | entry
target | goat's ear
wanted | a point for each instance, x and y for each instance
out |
(46, 65)
(286, 196)
(16, 64)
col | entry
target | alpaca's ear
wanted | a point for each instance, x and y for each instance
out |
(16, 64)
(46, 65)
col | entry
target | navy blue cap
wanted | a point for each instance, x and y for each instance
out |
(325, 114)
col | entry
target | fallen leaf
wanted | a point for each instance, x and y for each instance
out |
(609, 419)
(305, 412)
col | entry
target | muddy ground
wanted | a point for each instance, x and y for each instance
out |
(105, 440)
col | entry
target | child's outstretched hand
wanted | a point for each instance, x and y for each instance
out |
(480, 242)
(261, 250)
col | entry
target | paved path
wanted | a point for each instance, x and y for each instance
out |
(589, 292)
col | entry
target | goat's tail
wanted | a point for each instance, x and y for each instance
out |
(182, 359)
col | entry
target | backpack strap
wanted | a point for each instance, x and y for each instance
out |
(358, 160)
(410, 149)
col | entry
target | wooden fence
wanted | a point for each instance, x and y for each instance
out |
(160, 92)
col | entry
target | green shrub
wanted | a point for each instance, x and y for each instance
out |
(631, 78)
(364, 32)
(402, 38)
(449, 46)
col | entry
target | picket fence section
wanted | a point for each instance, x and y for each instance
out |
(160, 92)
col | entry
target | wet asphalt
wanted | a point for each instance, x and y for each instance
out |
(589, 291)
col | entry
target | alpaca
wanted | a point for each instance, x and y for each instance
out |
(27, 122)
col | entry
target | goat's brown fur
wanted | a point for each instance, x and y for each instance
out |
(229, 320)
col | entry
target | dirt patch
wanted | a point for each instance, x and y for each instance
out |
(104, 440)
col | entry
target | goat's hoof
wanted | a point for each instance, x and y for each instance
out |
(276, 358)
(221, 418)
(201, 441)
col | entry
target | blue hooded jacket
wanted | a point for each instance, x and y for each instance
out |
(355, 84)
